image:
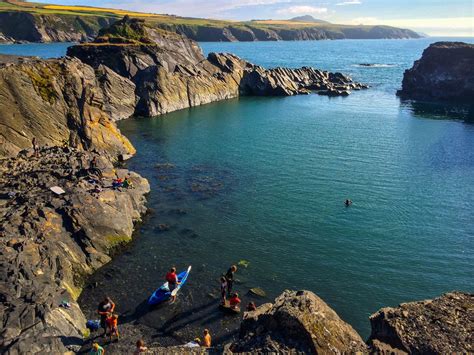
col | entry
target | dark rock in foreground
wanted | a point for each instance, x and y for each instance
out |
(444, 72)
(49, 243)
(298, 322)
(444, 325)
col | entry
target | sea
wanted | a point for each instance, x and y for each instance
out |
(260, 182)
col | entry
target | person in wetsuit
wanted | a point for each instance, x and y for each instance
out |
(229, 276)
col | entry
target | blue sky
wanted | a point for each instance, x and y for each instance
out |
(435, 17)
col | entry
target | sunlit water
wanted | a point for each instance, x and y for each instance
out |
(264, 180)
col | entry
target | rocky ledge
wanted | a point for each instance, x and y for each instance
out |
(50, 242)
(444, 72)
(444, 325)
(300, 322)
(297, 322)
(171, 73)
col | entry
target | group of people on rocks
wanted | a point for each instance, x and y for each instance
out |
(229, 298)
(227, 284)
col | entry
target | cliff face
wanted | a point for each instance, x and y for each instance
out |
(29, 27)
(49, 242)
(62, 101)
(18, 26)
(170, 72)
(444, 72)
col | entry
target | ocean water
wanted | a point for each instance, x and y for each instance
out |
(263, 180)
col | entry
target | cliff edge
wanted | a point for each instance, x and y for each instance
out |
(445, 71)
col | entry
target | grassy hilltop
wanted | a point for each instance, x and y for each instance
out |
(59, 22)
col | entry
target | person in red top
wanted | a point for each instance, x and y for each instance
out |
(235, 301)
(105, 307)
(112, 326)
(172, 280)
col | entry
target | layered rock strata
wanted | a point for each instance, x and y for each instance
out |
(62, 101)
(49, 243)
(171, 73)
(444, 72)
(18, 26)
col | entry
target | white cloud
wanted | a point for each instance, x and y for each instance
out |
(350, 2)
(303, 10)
(192, 8)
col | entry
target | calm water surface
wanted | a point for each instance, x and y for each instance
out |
(264, 180)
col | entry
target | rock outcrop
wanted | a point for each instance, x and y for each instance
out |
(62, 101)
(444, 325)
(444, 72)
(297, 322)
(49, 243)
(171, 73)
(17, 26)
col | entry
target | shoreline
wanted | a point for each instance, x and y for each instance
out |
(74, 234)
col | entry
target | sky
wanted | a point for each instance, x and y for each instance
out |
(432, 17)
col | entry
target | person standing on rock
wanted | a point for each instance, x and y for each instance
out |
(223, 289)
(206, 340)
(172, 280)
(229, 276)
(105, 307)
(35, 145)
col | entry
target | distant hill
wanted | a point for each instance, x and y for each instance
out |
(307, 18)
(22, 21)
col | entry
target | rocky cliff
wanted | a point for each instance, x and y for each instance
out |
(16, 26)
(444, 72)
(62, 101)
(35, 22)
(49, 243)
(171, 73)
(444, 325)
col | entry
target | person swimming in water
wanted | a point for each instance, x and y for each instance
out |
(348, 202)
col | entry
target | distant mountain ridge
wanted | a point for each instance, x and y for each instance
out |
(35, 22)
(307, 18)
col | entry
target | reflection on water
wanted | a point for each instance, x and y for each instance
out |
(441, 110)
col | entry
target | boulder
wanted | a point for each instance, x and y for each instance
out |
(297, 322)
(443, 325)
(444, 72)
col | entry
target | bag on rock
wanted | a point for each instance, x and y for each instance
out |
(93, 325)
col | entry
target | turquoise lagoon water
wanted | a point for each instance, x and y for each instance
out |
(264, 180)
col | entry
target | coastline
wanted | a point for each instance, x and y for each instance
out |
(121, 237)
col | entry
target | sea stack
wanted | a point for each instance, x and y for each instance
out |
(444, 72)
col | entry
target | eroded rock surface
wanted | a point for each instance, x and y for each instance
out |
(171, 73)
(297, 322)
(62, 101)
(49, 243)
(444, 325)
(444, 72)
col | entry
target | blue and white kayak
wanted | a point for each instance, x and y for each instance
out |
(163, 293)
